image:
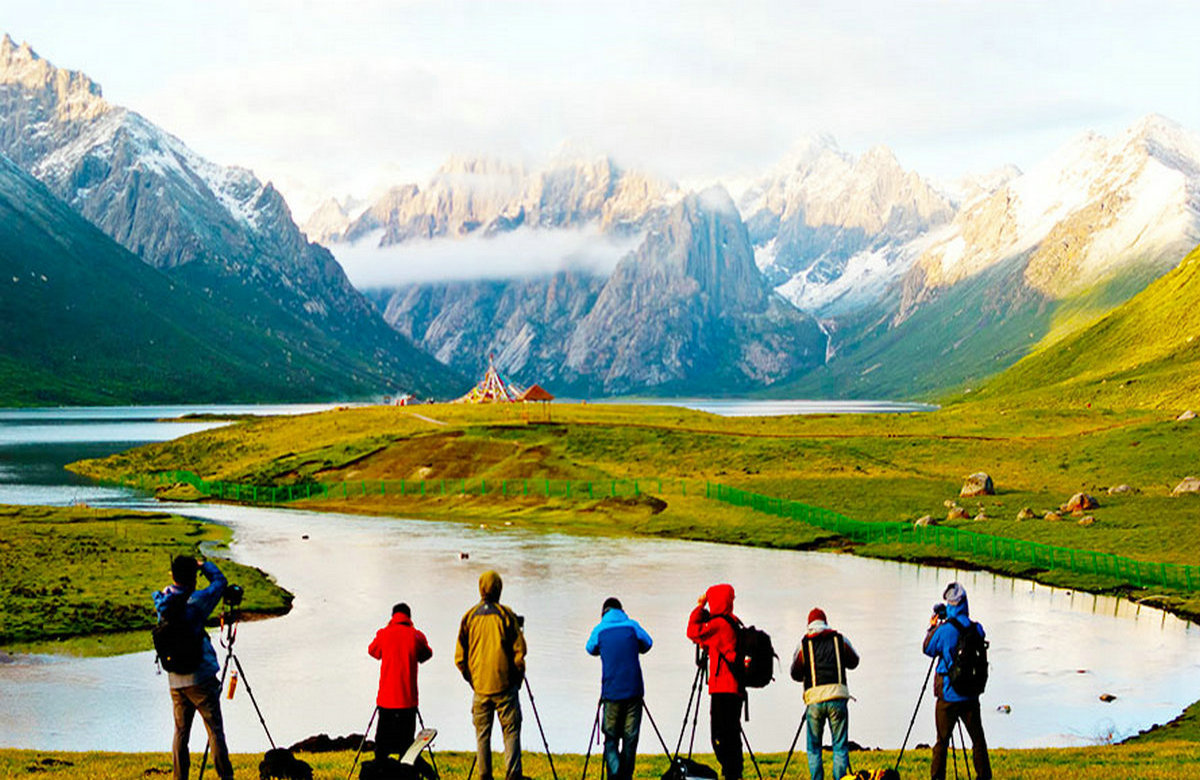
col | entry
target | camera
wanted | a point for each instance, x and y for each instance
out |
(940, 610)
(233, 595)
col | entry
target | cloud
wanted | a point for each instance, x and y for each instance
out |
(519, 254)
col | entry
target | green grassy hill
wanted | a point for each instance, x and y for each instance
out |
(83, 321)
(1143, 354)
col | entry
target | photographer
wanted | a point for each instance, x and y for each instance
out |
(490, 655)
(711, 626)
(948, 623)
(191, 661)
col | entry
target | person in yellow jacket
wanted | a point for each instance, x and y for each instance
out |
(490, 654)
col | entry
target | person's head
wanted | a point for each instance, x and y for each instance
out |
(612, 602)
(817, 615)
(490, 586)
(719, 599)
(402, 609)
(954, 594)
(183, 571)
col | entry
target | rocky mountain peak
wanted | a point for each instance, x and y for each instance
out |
(67, 94)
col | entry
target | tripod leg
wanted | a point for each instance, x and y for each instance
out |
(363, 743)
(687, 711)
(429, 747)
(696, 715)
(658, 733)
(750, 750)
(538, 719)
(595, 727)
(963, 743)
(916, 709)
(221, 687)
(246, 682)
(792, 749)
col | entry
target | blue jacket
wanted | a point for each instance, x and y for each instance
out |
(618, 641)
(940, 642)
(200, 605)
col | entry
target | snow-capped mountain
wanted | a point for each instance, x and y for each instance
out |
(218, 228)
(830, 230)
(1093, 209)
(476, 195)
(687, 309)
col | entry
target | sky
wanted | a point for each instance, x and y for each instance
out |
(344, 98)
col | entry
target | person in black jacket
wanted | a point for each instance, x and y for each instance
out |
(820, 662)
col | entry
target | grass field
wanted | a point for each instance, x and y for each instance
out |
(78, 579)
(1173, 760)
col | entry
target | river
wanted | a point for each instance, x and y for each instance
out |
(1053, 652)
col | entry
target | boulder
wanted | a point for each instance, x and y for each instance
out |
(1115, 489)
(979, 518)
(1081, 502)
(1107, 697)
(1087, 520)
(949, 503)
(1188, 485)
(1188, 415)
(957, 513)
(1026, 514)
(1052, 517)
(978, 484)
(926, 520)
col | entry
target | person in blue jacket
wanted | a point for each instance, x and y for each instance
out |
(953, 706)
(198, 690)
(619, 642)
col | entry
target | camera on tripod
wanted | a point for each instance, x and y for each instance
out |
(233, 596)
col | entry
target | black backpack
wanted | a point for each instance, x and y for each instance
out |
(754, 666)
(178, 644)
(968, 672)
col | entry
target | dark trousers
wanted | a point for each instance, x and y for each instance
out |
(622, 724)
(948, 713)
(726, 728)
(395, 731)
(204, 698)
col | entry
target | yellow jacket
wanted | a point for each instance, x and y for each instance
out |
(490, 652)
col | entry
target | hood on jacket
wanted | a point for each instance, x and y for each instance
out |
(400, 619)
(490, 586)
(959, 610)
(720, 599)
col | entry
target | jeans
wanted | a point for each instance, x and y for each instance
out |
(621, 725)
(838, 716)
(946, 714)
(395, 731)
(507, 708)
(726, 729)
(204, 698)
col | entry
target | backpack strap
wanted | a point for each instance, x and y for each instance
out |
(837, 654)
(812, 661)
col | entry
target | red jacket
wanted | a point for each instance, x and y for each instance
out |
(716, 635)
(400, 647)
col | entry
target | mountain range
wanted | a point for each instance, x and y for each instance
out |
(218, 230)
(828, 275)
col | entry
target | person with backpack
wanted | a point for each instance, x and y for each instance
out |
(959, 646)
(185, 651)
(820, 662)
(619, 641)
(399, 647)
(490, 654)
(713, 626)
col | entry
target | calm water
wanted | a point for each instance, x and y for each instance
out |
(1053, 652)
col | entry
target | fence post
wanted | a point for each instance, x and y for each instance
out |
(422, 487)
(590, 494)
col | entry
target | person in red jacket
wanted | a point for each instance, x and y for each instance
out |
(711, 625)
(399, 647)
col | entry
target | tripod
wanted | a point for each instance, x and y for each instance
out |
(694, 699)
(229, 636)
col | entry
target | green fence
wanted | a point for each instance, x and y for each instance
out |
(1033, 554)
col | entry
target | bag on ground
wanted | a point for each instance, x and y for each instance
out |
(280, 764)
(687, 769)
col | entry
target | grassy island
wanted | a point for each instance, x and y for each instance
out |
(78, 579)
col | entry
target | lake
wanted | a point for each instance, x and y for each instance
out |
(1053, 652)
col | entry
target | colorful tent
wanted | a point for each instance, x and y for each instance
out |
(491, 389)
